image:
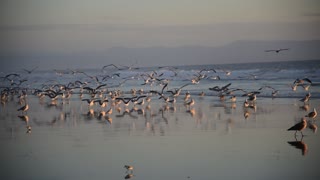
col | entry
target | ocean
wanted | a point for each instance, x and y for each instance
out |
(246, 76)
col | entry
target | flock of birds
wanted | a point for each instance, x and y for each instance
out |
(96, 92)
(101, 94)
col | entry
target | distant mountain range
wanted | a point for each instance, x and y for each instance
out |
(237, 52)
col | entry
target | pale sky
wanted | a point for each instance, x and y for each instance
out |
(33, 27)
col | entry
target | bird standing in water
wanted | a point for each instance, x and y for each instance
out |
(299, 126)
(129, 168)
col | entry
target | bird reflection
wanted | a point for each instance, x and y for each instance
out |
(299, 145)
(305, 107)
(128, 176)
(246, 114)
(312, 126)
(108, 119)
(25, 118)
(192, 112)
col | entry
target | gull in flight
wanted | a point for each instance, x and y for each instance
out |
(276, 50)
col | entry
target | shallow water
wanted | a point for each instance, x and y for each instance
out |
(216, 142)
(209, 140)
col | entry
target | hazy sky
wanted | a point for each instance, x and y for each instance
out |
(38, 27)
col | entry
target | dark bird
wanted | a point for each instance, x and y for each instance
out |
(89, 101)
(30, 71)
(129, 168)
(134, 99)
(102, 103)
(12, 74)
(276, 50)
(52, 94)
(126, 101)
(222, 89)
(301, 81)
(159, 93)
(109, 66)
(299, 126)
(94, 90)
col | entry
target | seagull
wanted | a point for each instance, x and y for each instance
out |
(94, 90)
(110, 65)
(190, 103)
(177, 91)
(293, 87)
(252, 97)
(228, 73)
(274, 91)
(276, 50)
(299, 126)
(126, 101)
(301, 81)
(140, 103)
(129, 168)
(102, 103)
(89, 101)
(222, 89)
(109, 111)
(233, 98)
(306, 98)
(30, 71)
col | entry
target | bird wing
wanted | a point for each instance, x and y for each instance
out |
(307, 79)
(101, 86)
(110, 65)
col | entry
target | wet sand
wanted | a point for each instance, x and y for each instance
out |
(209, 140)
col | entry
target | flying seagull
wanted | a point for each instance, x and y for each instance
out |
(276, 50)
(30, 71)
